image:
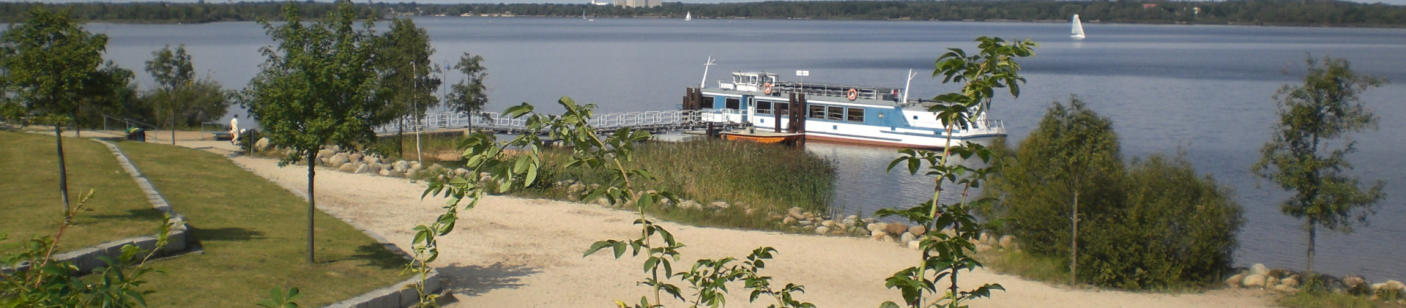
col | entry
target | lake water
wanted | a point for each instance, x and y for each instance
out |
(1205, 90)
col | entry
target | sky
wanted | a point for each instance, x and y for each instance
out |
(1392, 2)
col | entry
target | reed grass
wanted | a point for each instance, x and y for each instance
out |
(767, 179)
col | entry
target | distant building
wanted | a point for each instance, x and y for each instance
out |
(639, 3)
(601, 3)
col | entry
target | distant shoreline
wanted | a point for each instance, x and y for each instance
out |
(1273, 13)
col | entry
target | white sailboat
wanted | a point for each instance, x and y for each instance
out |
(1076, 30)
(688, 16)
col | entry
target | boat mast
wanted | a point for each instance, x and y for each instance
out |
(906, 84)
(704, 82)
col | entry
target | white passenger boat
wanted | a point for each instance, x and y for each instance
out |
(835, 113)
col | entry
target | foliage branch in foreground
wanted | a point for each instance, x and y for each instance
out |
(945, 256)
(50, 283)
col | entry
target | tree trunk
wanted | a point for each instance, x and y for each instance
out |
(1074, 242)
(1312, 232)
(312, 202)
(400, 137)
(63, 171)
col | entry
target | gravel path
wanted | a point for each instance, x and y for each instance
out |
(514, 252)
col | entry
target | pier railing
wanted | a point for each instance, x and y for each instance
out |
(667, 120)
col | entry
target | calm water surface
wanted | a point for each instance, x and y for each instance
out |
(1204, 90)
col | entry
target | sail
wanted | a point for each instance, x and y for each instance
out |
(688, 16)
(1076, 30)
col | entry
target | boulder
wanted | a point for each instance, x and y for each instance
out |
(1007, 241)
(400, 166)
(878, 236)
(822, 230)
(412, 172)
(1270, 281)
(914, 244)
(1235, 280)
(262, 144)
(602, 201)
(907, 237)
(810, 216)
(1259, 269)
(1355, 282)
(874, 227)
(895, 228)
(795, 212)
(890, 238)
(384, 172)
(983, 238)
(868, 220)
(347, 167)
(573, 189)
(850, 220)
(981, 247)
(362, 168)
(354, 157)
(1254, 281)
(325, 153)
(918, 230)
(461, 172)
(1393, 284)
(1286, 289)
(1291, 281)
(690, 204)
(828, 223)
(788, 220)
(718, 205)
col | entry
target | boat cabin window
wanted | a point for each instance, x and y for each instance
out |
(763, 107)
(855, 115)
(707, 103)
(733, 103)
(835, 113)
(783, 108)
(817, 111)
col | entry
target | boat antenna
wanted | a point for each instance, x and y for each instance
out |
(907, 84)
(704, 82)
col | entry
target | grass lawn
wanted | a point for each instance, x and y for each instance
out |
(253, 235)
(29, 195)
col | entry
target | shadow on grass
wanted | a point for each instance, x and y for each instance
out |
(475, 280)
(379, 255)
(226, 234)
(139, 214)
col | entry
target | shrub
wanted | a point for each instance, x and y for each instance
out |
(1173, 228)
(1153, 224)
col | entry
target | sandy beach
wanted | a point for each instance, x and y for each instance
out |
(515, 252)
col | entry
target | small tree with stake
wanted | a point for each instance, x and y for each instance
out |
(469, 95)
(1304, 155)
(315, 88)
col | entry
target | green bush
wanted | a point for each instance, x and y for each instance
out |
(1035, 186)
(1151, 224)
(1172, 229)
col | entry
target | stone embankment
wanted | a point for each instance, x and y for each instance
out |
(1259, 276)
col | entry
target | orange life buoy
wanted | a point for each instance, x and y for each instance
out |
(853, 94)
(766, 88)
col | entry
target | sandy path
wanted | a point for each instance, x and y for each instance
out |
(512, 252)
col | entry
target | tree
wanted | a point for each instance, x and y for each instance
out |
(315, 88)
(50, 61)
(403, 65)
(172, 70)
(1085, 151)
(469, 95)
(1308, 152)
(187, 100)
